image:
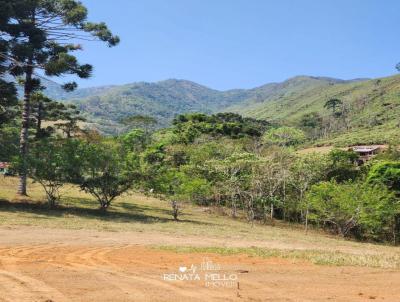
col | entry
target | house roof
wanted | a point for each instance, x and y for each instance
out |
(365, 148)
(4, 165)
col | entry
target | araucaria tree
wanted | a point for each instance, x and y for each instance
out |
(333, 104)
(8, 99)
(41, 35)
(7, 90)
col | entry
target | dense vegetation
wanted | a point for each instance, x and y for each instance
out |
(264, 179)
(246, 167)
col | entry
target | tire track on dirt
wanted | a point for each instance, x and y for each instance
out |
(128, 272)
(22, 288)
(124, 280)
(97, 261)
(19, 286)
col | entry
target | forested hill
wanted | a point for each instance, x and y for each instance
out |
(369, 109)
(370, 106)
(164, 99)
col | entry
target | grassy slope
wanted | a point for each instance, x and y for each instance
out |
(374, 108)
(136, 213)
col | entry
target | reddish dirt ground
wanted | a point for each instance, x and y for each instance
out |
(79, 267)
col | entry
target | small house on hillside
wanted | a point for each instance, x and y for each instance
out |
(4, 168)
(365, 153)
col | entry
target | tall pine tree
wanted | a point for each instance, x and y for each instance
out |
(41, 35)
(7, 90)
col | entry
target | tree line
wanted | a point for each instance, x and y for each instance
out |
(254, 175)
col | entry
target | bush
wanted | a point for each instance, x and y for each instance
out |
(387, 173)
(106, 171)
(284, 137)
(195, 190)
(192, 125)
(357, 209)
(52, 163)
(342, 165)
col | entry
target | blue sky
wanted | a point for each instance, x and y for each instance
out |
(228, 44)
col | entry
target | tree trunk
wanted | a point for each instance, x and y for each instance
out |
(250, 211)
(272, 211)
(265, 213)
(307, 219)
(68, 131)
(104, 204)
(23, 145)
(175, 210)
(234, 211)
(26, 111)
(39, 121)
(284, 200)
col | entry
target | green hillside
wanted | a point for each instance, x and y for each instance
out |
(372, 108)
(162, 100)
(107, 105)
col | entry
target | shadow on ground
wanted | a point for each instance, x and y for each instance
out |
(134, 213)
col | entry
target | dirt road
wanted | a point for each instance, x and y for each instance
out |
(68, 265)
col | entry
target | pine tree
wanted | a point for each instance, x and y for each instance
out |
(46, 109)
(41, 35)
(70, 117)
(333, 104)
(7, 90)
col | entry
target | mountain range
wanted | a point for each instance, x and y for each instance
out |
(373, 104)
(164, 99)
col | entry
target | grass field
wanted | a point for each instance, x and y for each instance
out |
(138, 213)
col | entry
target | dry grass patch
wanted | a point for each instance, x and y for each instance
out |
(385, 260)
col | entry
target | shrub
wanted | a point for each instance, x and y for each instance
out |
(106, 171)
(358, 209)
(284, 136)
(52, 163)
(342, 165)
(387, 173)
